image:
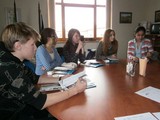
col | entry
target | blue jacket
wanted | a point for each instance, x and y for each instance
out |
(44, 59)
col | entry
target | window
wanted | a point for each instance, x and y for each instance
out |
(88, 16)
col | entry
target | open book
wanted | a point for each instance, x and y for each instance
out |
(65, 83)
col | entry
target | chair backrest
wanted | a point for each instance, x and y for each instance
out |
(155, 55)
(30, 65)
(38, 43)
(91, 54)
(60, 51)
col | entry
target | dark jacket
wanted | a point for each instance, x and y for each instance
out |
(70, 54)
(17, 88)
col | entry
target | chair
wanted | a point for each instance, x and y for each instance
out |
(91, 54)
(60, 51)
(155, 55)
(29, 64)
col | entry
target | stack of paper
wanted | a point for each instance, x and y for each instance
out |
(93, 63)
(112, 60)
(63, 70)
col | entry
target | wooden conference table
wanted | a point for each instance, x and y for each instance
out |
(114, 95)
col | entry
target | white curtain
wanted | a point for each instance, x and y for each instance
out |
(51, 13)
(108, 13)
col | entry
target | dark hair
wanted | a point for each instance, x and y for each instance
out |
(140, 28)
(71, 33)
(47, 32)
(69, 44)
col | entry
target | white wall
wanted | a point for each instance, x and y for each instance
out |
(28, 9)
(124, 32)
(153, 5)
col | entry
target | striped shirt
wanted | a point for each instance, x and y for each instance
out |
(145, 47)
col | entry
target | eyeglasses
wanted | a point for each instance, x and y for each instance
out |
(54, 37)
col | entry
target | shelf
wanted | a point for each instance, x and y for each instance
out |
(155, 39)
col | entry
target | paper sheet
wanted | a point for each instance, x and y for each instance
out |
(157, 114)
(90, 84)
(151, 93)
(142, 116)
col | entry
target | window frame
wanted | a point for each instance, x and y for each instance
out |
(94, 6)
